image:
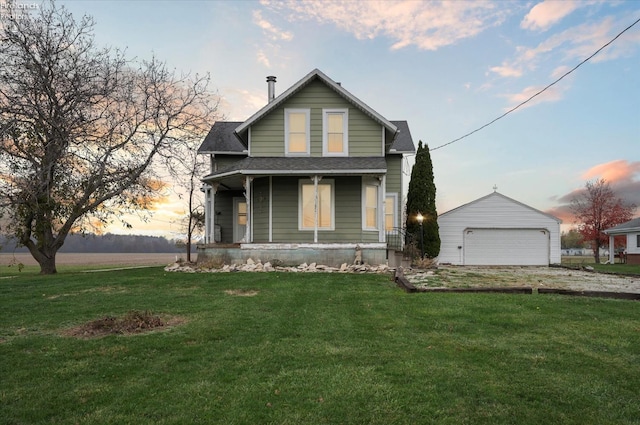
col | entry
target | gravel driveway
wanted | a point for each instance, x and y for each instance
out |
(535, 277)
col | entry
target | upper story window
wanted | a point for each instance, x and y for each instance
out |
(335, 136)
(296, 132)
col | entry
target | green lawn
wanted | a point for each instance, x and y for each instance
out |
(312, 349)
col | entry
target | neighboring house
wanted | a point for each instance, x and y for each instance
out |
(497, 230)
(630, 229)
(313, 176)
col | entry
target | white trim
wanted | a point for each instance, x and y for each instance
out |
(270, 208)
(275, 246)
(382, 190)
(345, 131)
(331, 183)
(307, 113)
(348, 172)
(249, 141)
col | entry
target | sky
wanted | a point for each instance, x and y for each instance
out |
(448, 68)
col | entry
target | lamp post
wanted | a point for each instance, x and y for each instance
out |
(420, 219)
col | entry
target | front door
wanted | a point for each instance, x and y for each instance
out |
(239, 219)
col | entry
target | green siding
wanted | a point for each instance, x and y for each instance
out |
(394, 182)
(348, 213)
(260, 209)
(365, 135)
(224, 161)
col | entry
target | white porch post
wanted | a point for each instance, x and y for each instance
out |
(382, 195)
(207, 212)
(210, 212)
(315, 209)
(247, 195)
(612, 255)
(270, 209)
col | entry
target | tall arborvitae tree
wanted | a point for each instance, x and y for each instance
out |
(421, 199)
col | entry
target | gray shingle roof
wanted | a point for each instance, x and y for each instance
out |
(297, 165)
(625, 227)
(221, 138)
(403, 141)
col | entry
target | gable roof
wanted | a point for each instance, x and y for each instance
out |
(630, 226)
(500, 195)
(221, 139)
(229, 136)
(319, 75)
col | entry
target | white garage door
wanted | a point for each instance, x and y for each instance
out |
(506, 247)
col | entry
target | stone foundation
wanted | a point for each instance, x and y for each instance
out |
(332, 255)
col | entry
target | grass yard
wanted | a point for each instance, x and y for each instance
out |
(311, 349)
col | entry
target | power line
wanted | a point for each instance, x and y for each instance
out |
(541, 91)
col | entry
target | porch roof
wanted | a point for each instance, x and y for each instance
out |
(302, 166)
(630, 226)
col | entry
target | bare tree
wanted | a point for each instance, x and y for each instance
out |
(81, 128)
(597, 209)
(185, 169)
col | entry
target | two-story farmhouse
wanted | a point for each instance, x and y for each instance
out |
(316, 175)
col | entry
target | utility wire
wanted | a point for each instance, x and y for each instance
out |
(540, 92)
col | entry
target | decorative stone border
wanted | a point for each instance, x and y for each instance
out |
(253, 266)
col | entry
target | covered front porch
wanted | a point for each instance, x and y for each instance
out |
(296, 214)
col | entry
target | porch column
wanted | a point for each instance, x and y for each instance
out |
(209, 212)
(270, 209)
(612, 247)
(382, 196)
(247, 195)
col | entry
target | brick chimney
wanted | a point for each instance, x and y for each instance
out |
(271, 86)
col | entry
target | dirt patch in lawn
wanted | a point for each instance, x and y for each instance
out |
(134, 322)
(241, 292)
(535, 277)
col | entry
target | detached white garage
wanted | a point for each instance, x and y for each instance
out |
(498, 231)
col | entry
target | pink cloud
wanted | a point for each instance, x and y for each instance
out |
(544, 15)
(623, 176)
(613, 171)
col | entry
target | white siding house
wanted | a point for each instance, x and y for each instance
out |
(498, 230)
(631, 230)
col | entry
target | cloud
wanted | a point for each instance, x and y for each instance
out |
(426, 25)
(614, 172)
(573, 45)
(622, 175)
(552, 94)
(544, 15)
(269, 29)
(506, 71)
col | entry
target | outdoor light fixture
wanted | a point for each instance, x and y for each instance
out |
(420, 219)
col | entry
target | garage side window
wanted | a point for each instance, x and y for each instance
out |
(637, 241)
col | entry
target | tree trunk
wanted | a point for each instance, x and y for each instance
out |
(596, 252)
(48, 265)
(46, 261)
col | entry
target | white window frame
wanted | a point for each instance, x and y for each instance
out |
(345, 131)
(370, 183)
(394, 228)
(306, 182)
(307, 113)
